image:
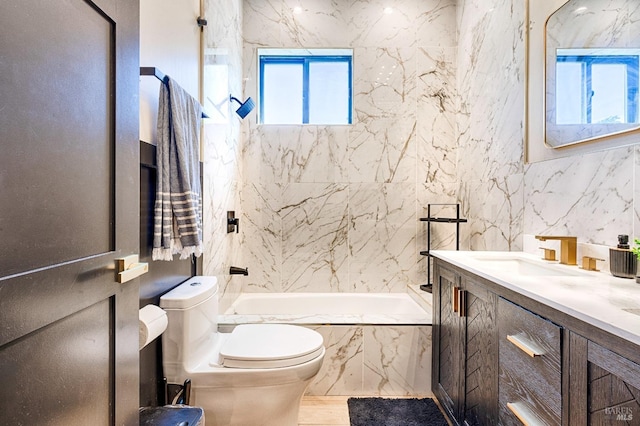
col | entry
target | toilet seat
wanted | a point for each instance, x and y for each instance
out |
(270, 346)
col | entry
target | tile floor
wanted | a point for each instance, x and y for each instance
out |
(324, 411)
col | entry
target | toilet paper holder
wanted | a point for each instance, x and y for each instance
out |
(130, 267)
(153, 322)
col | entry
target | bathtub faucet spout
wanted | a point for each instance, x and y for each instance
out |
(234, 270)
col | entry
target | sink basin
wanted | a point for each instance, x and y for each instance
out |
(522, 266)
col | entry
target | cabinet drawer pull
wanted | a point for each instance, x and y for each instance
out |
(526, 347)
(454, 298)
(522, 414)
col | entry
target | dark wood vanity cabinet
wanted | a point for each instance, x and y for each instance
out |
(604, 386)
(465, 349)
(496, 362)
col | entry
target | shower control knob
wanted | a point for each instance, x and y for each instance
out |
(233, 222)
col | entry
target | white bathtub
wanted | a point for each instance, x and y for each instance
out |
(377, 343)
(330, 308)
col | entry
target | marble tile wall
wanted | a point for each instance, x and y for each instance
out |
(490, 65)
(336, 208)
(374, 360)
(222, 71)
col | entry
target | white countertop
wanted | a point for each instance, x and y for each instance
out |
(597, 298)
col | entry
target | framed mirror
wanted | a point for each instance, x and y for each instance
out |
(592, 58)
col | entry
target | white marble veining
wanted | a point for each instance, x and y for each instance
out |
(221, 141)
(590, 196)
(314, 23)
(397, 360)
(262, 236)
(336, 208)
(596, 298)
(491, 87)
(382, 230)
(436, 103)
(494, 209)
(314, 221)
(490, 126)
(341, 371)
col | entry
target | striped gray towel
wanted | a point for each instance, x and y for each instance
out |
(178, 206)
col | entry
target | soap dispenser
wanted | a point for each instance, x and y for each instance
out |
(622, 261)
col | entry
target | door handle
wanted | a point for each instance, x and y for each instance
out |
(129, 267)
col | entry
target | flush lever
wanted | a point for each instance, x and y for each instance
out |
(130, 267)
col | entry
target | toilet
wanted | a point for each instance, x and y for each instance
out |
(255, 375)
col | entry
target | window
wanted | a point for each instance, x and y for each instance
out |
(305, 86)
(596, 88)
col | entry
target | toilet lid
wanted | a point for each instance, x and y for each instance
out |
(270, 346)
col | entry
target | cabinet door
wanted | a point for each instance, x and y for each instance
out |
(605, 387)
(479, 308)
(446, 341)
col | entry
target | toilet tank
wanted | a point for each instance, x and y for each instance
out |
(192, 313)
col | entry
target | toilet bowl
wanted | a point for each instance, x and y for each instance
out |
(255, 375)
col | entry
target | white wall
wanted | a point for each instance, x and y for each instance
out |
(170, 41)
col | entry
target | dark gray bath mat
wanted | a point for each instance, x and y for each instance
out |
(394, 412)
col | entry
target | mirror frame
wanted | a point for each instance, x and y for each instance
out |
(535, 146)
(590, 132)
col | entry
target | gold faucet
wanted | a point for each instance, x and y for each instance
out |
(568, 248)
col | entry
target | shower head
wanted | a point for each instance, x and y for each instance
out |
(245, 107)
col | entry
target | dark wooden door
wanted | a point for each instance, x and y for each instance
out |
(68, 208)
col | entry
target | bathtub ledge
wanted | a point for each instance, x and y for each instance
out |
(369, 319)
(422, 298)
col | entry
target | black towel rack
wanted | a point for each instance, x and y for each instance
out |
(431, 219)
(160, 76)
(154, 72)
